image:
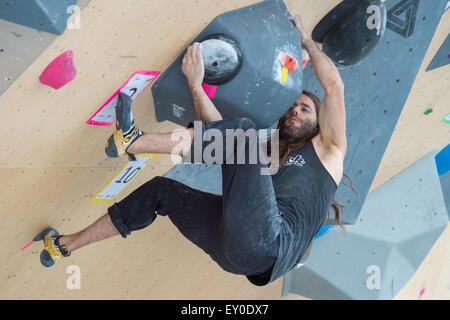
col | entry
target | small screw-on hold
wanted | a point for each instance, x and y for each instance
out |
(428, 111)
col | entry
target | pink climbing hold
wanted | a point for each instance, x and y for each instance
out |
(60, 71)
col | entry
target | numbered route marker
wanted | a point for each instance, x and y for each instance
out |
(137, 83)
(119, 182)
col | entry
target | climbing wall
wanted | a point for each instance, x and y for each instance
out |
(52, 163)
(400, 222)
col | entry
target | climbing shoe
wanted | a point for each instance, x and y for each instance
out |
(52, 251)
(125, 133)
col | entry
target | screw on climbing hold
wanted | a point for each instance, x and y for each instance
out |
(428, 111)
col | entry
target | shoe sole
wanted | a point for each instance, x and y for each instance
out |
(45, 257)
(41, 235)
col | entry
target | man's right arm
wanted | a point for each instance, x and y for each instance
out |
(204, 108)
(194, 70)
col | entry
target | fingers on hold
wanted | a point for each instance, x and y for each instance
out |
(194, 47)
(192, 54)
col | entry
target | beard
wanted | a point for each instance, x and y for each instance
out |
(291, 138)
(291, 133)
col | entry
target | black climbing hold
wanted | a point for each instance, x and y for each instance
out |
(354, 34)
(331, 19)
(222, 57)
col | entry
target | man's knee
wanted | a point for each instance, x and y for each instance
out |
(238, 251)
(235, 255)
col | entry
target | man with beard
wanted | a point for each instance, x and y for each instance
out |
(262, 225)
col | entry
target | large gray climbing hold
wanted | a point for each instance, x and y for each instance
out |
(46, 15)
(252, 89)
(399, 223)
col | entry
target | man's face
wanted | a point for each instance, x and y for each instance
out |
(300, 120)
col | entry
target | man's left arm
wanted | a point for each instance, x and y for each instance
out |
(332, 118)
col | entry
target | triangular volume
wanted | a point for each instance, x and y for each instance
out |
(49, 16)
(402, 17)
(442, 57)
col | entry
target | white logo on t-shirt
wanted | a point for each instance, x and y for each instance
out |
(297, 160)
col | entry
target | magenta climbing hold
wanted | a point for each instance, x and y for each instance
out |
(60, 71)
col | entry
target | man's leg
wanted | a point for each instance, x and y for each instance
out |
(103, 228)
(128, 140)
(251, 221)
(178, 142)
(99, 230)
(195, 213)
(242, 240)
